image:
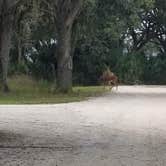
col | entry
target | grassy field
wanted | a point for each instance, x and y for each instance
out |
(24, 90)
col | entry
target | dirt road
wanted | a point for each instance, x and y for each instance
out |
(123, 128)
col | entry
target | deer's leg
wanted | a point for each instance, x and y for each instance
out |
(104, 85)
(117, 85)
(110, 85)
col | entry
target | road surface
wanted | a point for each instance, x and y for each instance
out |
(123, 128)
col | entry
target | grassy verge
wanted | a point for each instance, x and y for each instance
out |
(25, 90)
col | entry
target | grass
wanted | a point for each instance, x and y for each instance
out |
(25, 90)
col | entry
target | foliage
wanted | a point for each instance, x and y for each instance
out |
(131, 67)
(41, 61)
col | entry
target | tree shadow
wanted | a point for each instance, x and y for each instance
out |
(8, 138)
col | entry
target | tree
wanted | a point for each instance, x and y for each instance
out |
(12, 11)
(66, 13)
(6, 21)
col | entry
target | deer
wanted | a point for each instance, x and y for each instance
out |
(108, 78)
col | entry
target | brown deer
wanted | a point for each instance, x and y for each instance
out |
(108, 78)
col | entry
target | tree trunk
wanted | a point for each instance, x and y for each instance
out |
(19, 46)
(64, 59)
(66, 13)
(5, 42)
(4, 52)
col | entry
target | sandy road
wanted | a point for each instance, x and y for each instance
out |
(124, 128)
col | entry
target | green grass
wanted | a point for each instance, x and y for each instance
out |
(24, 90)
